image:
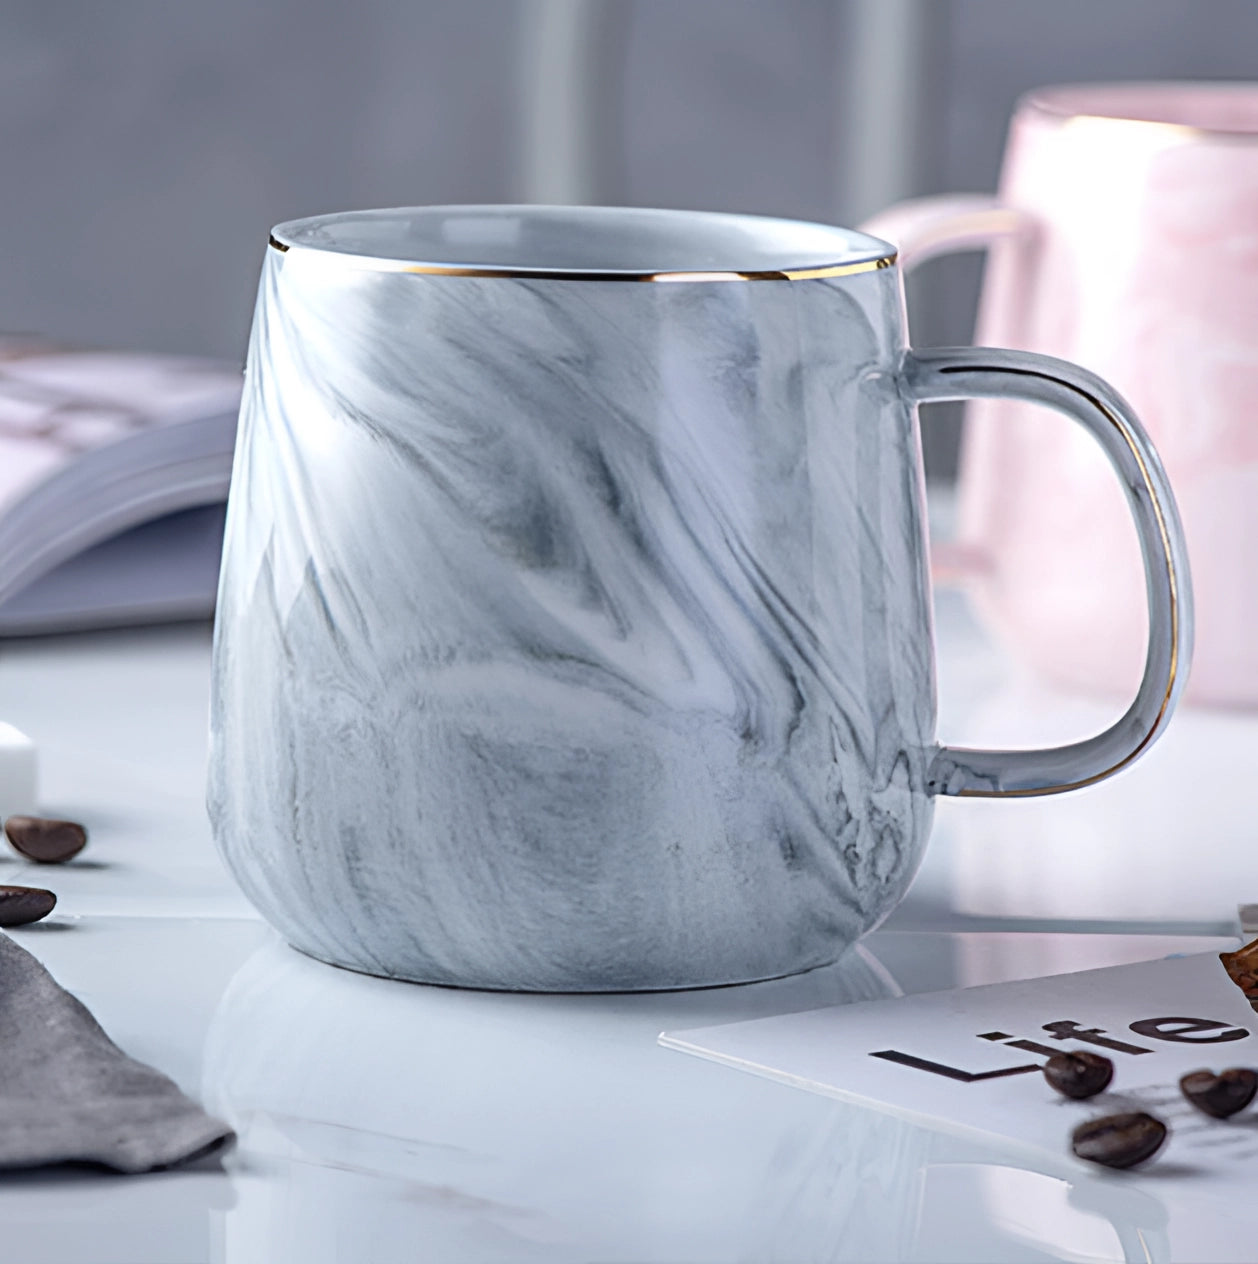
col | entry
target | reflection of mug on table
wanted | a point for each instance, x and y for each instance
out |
(1125, 238)
(374, 1116)
(574, 627)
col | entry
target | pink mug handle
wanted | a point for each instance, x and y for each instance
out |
(924, 228)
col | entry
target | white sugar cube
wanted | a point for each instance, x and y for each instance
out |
(18, 773)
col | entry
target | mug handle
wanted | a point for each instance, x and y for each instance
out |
(923, 228)
(952, 373)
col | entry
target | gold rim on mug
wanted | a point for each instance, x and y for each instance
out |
(1045, 102)
(370, 263)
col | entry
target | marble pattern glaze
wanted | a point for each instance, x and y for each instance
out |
(572, 635)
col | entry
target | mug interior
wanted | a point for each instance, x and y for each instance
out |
(1226, 108)
(579, 240)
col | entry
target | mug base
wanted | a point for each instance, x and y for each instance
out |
(577, 988)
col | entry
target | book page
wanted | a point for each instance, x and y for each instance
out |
(56, 404)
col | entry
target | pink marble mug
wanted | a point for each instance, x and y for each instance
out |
(1125, 238)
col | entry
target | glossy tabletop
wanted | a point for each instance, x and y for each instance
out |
(386, 1122)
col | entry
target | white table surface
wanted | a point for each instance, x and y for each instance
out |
(383, 1122)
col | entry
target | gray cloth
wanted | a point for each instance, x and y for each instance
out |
(69, 1094)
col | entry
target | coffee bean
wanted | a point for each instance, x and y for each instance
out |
(1223, 1094)
(20, 905)
(46, 841)
(1242, 969)
(1079, 1074)
(1119, 1140)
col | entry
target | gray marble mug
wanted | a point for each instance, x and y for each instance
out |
(574, 628)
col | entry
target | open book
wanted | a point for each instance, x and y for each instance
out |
(114, 468)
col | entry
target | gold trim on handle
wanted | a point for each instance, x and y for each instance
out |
(372, 264)
(1173, 671)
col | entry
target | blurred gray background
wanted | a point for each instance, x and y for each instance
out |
(148, 145)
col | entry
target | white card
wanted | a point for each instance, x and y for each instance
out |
(949, 1059)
